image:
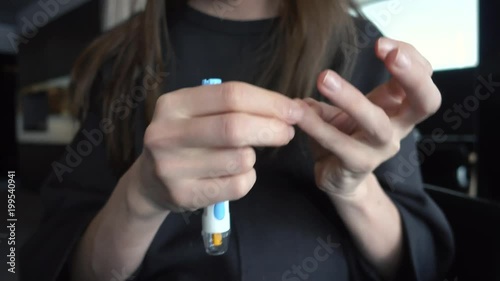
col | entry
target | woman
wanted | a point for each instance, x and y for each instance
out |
(316, 178)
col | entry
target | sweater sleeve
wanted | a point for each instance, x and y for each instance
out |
(77, 188)
(428, 240)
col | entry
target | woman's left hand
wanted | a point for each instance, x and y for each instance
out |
(354, 135)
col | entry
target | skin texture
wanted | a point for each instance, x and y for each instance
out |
(238, 9)
(190, 144)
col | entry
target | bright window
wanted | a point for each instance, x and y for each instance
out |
(446, 32)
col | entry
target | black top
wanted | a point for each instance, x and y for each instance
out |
(284, 229)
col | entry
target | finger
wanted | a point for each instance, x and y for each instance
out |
(327, 112)
(413, 73)
(233, 187)
(369, 117)
(388, 96)
(329, 137)
(229, 97)
(385, 45)
(206, 163)
(332, 115)
(204, 192)
(223, 131)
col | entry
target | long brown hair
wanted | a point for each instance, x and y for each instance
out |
(307, 39)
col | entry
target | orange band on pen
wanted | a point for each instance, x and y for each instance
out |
(217, 239)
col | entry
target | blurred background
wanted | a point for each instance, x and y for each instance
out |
(459, 147)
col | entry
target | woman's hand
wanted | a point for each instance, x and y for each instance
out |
(354, 135)
(198, 147)
(197, 151)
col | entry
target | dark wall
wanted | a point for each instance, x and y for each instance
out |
(490, 39)
(53, 50)
(489, 119)
(455, 87)
(8, 85)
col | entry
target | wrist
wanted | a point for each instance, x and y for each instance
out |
(137, 203)
(362, 202)
(359, 194)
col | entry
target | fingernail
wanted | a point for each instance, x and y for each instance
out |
(291, 132)
(386, 45)
(402, 60)
(331, 82)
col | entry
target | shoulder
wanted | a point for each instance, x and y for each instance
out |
(368, 32)
(368, 71)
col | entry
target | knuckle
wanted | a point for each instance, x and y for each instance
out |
(150, 137)
(410, 47)
(247, 158)
(432, 104)
(163, 103)
(242, 185)
(428, 66)
(239, 191)
(394, 147)
(368, 165)
(384, 136)
(161, 169)
(162, 100)
(436, 104)
(176, 197)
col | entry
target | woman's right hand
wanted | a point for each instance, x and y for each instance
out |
(197, 151)
(198, 147)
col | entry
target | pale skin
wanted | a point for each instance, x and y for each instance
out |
(189, 144)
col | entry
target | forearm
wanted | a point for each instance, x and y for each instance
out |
(117, 239)
(375, 224)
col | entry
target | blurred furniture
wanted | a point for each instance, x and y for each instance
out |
(35, 108)
(451, 162)
(59, 132)
(39, 149)
(45, 64)
(476, 227)
(450, 166)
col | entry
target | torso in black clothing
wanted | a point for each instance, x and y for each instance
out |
(284, 228)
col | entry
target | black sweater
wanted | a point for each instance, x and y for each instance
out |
(284, 229)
